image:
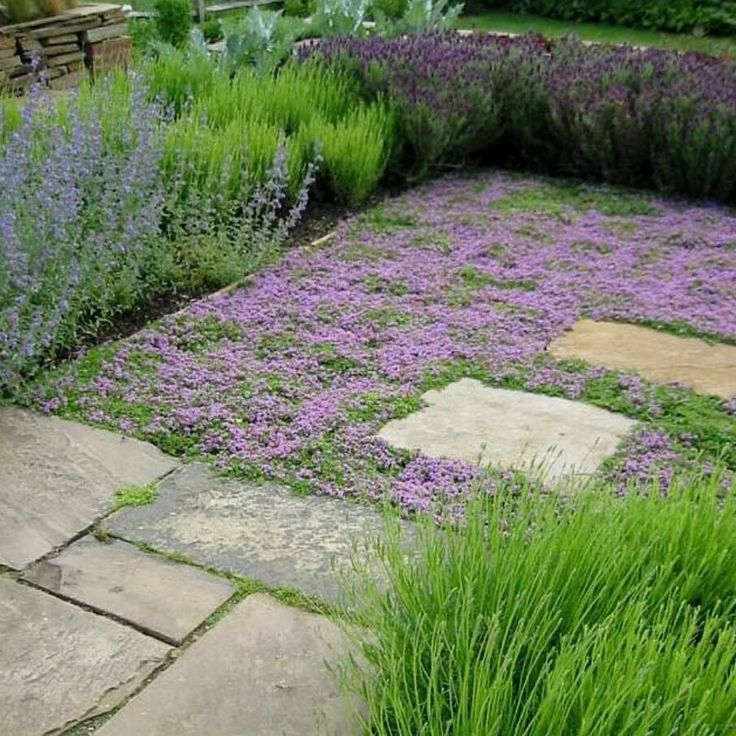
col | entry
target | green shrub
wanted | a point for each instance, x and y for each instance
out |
(212, 30)
(354, 151)
(680, 16)
(593, 615)
(308, 104)
(143, 34)
(20, 11)
(299, 8)
(173, 21)
(390, 8)
(178, 76)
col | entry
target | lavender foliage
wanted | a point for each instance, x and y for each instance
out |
(642, 117)
(80, 209)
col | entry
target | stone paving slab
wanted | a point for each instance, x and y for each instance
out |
(264, 532)
(469, 421)
(264, 670)
(655, 355)
(57, 477)
(165, 599)
(60, 664)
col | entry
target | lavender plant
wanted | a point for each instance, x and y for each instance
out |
(80, 209)
(625, 115)
(444, 87)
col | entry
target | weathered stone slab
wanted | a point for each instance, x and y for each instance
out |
(104, 32)
(60, 664)
(263, 532)
(163, 598)
(510, 429)
(657, 356)
(262, 671)
(57, 477)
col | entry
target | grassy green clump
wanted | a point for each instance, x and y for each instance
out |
(593, 615)
(355, 151)
(135, 496)
(229, 128)
(554, 199)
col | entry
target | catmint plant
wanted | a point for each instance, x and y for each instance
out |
(80, 209)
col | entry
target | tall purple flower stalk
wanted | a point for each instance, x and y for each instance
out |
(80, 210)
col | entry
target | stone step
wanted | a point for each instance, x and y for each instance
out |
(60, 664)
(657, 356)
(553, 438)
(162, 598)
(264, 670)
(58, 477)
(263, 532)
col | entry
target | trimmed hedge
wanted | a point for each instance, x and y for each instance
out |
(717, 17)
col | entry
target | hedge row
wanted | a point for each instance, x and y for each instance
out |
(717, 17)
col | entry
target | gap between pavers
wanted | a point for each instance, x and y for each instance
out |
(549, 437)
(264, 670)
(60, 664)
(263, 532)
(708, 368)
(58, 477)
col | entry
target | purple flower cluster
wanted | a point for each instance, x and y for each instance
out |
(80, 207)
(98, 215)
(626, 115)
(292, 376)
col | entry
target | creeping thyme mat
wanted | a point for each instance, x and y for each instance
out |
(291, 377)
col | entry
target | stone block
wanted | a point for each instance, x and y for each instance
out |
(60, 664)
(556, 438)
(264, 670)
(166, 599)
(705, 367)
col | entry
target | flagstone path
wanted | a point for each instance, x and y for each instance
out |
(85, 624)
(57, 477)
(706, 367)
(556, 438)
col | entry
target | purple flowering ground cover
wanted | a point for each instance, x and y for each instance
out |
(291, 376)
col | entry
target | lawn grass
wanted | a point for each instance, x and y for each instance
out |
(540, 616)
(504, 22)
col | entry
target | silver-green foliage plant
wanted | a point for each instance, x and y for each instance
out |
(335, 18)
(420, 16)
(263, 39)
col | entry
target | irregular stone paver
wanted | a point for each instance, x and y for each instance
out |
(164, 598)
(57, 477)
(706, 368)
(261, 671)
(60, 664)
(473, 422)
(263, 532)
